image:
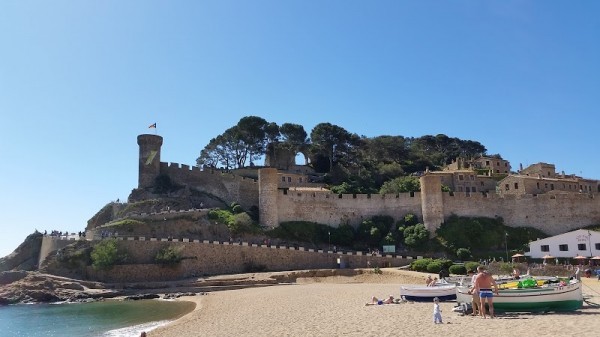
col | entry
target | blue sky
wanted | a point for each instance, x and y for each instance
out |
(79, 80)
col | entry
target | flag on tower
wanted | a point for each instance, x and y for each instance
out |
(152, 126)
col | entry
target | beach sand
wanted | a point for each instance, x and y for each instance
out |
(335, 306)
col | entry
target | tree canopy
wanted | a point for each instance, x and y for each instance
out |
(357, 164)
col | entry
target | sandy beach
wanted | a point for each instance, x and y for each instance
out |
(335, 306)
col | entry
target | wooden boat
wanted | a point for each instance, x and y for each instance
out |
(443, 291)
(547, 297)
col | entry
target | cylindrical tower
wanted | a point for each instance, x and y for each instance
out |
(267, 197)
(149, 166)
(432, 202)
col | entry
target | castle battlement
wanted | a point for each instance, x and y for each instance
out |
(194, 171)
(552, 207)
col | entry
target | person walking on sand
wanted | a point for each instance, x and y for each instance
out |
(483, 285)
(475, 300)
(437, 312)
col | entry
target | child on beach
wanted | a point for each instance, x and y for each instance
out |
(437, 312)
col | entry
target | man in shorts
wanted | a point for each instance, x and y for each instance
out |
(483, 285)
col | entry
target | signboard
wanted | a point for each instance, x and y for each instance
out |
(389, 249)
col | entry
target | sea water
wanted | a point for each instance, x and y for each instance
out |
(107, 318)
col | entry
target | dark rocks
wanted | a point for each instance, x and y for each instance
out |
(141, 297)
(177, 295)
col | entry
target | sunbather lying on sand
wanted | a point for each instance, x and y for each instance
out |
(375, 301)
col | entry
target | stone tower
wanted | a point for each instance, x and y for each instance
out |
(149, 166)
(432, 203)
(267, 197)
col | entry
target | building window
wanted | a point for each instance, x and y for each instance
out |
(597, 246)
(460, 188)
(289, 179)
(545, 248)
(581, 246)
(482, 183)
(546, 186)
(563, 248)
(516, 186)
(467, 189)
(506, 187)
(505, 164)
(552, 187)
(538, 186)
(300, 179)
(497, 171)
(487, 163)
(472, 177)
(283, 179)
(497, 163)
(473, 189)
(460, 177)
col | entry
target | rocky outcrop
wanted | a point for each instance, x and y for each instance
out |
(26, 256)
(34, 287)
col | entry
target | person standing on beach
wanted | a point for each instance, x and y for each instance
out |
(475, 301)
(483, 285)
(437, 312)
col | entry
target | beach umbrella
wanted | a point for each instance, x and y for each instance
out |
(547, 257)
(579, 257)
(517, 256)
(596, 258)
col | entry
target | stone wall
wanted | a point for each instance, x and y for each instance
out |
(51, 244)
(333, 209)
(226, 186)
(551, 213)
(216, 258)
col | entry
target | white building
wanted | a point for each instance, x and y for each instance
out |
(568, 245)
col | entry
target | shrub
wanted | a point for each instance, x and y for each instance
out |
(420, 265)
(472, 266)
(458, 269)
(463, 253)
(416, 236)
(168, 256)
(105, 254)
(242, 223)
(434, 267)
(237, 209)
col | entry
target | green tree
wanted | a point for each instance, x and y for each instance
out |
(416, 236)
(105, 254)
(401, 185)
(463, 254)
(169, 255)
(333, 142)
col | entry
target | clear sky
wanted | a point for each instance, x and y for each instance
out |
(79, 80)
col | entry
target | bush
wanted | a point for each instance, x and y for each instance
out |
(458, 269)
(420, 265)
(434, 267)
(472, 266)
(237, 209)
(463, 253)
(105, 254)
(168, 256)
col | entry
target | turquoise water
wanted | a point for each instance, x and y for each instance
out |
(109, 318)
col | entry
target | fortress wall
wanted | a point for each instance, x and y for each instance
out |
(205, 259)
(551, 213)
(51, 244)
(226, 186)
(333, 209)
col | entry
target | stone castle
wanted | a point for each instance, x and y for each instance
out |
(484, 187)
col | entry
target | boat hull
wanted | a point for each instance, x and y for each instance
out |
(427, 294)
(539, 299)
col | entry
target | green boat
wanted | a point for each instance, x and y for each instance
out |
(548, 297)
